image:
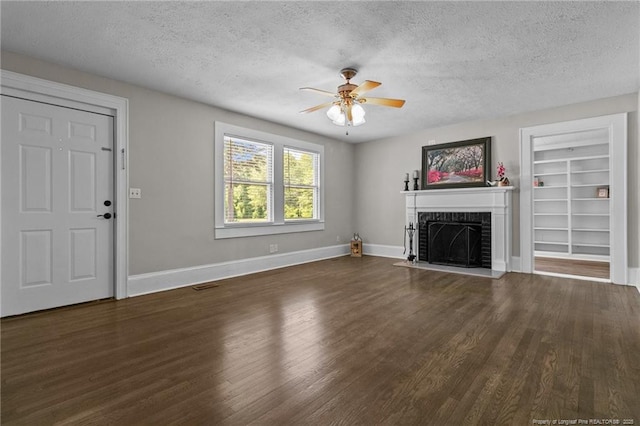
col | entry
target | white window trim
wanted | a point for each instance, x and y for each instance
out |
(278, 225)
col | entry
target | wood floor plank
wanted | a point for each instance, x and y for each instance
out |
(341, 341)
(583, 268)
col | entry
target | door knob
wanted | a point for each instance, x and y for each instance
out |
(106, 215)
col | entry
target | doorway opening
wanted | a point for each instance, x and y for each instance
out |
(573, 199)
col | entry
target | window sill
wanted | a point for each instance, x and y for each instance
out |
(235, 231)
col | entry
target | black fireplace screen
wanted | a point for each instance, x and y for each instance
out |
(479, 220)
(455, 244)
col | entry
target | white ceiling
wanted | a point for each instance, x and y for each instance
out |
(451, 61)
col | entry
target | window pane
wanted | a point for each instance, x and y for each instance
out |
(298, 203)
(300, 167)
(247, 160)
(246, 203)
(248, 180)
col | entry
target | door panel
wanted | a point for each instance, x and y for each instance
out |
(82, 181)
(57, 171)
(35, 178)
(82, 254)
(36, 258)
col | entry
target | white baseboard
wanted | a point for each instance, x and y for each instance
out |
(515, 264)
(380, 250)
(165, 280)
(634, 277)
(175, 278)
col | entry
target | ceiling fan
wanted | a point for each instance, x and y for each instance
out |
(346, 109)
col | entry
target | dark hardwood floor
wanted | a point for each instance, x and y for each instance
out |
(583, 268)
(342, 341)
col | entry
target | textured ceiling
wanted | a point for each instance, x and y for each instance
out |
(451, 61)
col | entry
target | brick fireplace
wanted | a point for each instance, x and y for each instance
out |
(486, 210)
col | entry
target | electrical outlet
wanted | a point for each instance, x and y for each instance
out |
(273, 248)
(338, 239)
(135, 193)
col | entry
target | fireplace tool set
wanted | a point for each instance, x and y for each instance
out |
(410, 230)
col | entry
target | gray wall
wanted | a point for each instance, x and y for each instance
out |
(171, 160)
(381, 165)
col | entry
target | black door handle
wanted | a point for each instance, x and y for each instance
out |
(106, 215)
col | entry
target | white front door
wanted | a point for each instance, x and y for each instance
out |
(57, 206)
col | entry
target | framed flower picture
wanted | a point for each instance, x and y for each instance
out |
(456, 164)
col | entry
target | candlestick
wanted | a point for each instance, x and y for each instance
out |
(416, 174)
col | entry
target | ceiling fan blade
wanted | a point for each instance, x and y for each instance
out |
(321, 92)
(396, 103)
(365, 87)
(317, 107)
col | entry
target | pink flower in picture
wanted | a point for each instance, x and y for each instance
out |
(434, 176)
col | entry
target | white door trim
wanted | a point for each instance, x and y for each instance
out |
(617, 125)
(37, 89)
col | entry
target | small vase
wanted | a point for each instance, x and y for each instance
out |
(504, 182)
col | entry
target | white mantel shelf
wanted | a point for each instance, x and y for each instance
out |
(493, 199)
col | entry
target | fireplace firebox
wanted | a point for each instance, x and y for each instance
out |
(456, 244)
(455, 238)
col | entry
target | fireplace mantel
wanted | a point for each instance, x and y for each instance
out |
(494, 199)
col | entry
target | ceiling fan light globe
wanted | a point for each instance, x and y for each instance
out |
(358, 114)
(358, 122)
(334, 113)
(340, 120)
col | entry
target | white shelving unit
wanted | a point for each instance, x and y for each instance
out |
(570, 220)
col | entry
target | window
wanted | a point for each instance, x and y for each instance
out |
(266, 184)
(300, 184)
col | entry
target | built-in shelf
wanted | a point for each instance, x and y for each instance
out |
(550, 228)
(553, 243)
(549, 161)
(591, 245)
(551, 174)
(590, 171)
(569, 218)
(588, 156)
